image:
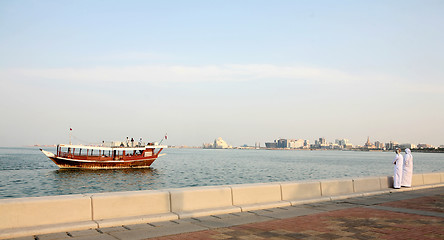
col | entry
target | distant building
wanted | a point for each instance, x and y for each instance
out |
(283, 143)
(407, 145)
(207, 145)
(340, 142)
(368, 144)
(292, 144)
(288, 143)
(379, 145)
(271, 144)
(321, 143)
(423, 145)
(306, 144)
(299, 143)
(219, 143)
(392, 145)
(343, 143)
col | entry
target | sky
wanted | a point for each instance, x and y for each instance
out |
(247, 71)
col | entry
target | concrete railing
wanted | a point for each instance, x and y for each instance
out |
(40, 215)
(124, 208)
(202, 201)
(258, 196)
(29, 216)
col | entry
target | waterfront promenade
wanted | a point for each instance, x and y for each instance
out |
(360, 208)
(398, 214)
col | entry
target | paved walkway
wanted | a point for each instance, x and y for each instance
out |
(415, 214)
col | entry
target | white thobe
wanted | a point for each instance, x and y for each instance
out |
(398, 161)
(407, 169)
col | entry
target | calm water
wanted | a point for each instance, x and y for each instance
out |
(26, 172)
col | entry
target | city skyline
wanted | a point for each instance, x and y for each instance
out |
(305, 142)
(340, 143)
(246, 71)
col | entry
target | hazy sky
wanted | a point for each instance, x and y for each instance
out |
(246, 71)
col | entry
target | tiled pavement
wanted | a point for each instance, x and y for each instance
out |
(415, 214)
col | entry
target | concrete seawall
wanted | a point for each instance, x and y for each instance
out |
(40, 215)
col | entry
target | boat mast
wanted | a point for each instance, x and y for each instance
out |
(166, 137)
(70, 136)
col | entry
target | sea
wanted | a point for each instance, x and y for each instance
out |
(26, 172)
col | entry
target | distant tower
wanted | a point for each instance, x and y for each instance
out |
(368, 144)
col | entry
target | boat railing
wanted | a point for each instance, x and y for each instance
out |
(118, 157)
(64, 154)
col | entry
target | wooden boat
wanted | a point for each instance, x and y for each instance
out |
(98, 157)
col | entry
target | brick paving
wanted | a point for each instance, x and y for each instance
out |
(354, 223)
(429, 203)
(351, 223)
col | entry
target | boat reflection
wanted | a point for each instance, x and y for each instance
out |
(72, 181)
(69, 171)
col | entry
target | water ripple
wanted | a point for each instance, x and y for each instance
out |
(26, 172)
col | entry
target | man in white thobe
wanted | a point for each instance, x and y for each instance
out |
(398, 161)
(407, 169)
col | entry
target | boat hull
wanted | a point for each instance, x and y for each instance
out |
(82, 164)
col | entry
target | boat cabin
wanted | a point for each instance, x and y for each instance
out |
(96, 153)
